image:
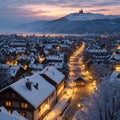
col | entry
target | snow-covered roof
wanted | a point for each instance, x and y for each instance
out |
(20, 49)
(5, 66)
(15, 113)
(117, 56)
(88, 16)
(53, 74)
(114, 75)
(54, 57)
(57, 65)
(25, 57)
(36, 66)
(34, 96)
(97, 50)
(18, 44)
(48, 46)
(13, 70)
(4, 115)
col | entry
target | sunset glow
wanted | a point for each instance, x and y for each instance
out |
(53, 11)
(23, 11)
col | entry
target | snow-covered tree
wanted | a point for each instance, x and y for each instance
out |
(104, 104)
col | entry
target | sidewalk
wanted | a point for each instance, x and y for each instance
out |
(57, 110)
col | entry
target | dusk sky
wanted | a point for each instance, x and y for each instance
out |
(14, 12)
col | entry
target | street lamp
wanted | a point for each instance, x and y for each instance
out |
(94, 85)
(79, 105)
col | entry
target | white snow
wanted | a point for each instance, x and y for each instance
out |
(4, 115)
(58, 65)
(36, 66)
(113, 76)
(117, 56)
(54, 57)
(88, 16)
(97, 50)
(15, 113)
(13, 70)
(53, 74)
(34, 96)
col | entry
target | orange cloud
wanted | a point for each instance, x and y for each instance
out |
(48, 10)
(53, 11)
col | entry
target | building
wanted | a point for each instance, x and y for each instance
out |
(79, 82)
(5, 115)
(56, 78)
(34, 96)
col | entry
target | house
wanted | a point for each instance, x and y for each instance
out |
(99, 55)
(56, 78)
(14, 72)
(55, 60)
(5, 115)
(79, 82)
(34, 96)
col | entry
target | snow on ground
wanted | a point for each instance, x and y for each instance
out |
(54, 114)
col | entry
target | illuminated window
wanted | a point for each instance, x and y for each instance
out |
(24, 105)
(8, 103)
(23, 114)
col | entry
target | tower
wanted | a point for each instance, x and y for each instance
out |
(81, 11)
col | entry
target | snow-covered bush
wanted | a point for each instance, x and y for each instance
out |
(104, 104)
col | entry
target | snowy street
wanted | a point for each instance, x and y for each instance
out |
(76, 69)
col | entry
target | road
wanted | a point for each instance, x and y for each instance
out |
(77, 68)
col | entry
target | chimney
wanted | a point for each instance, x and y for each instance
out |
(36, 86)
(28, 84)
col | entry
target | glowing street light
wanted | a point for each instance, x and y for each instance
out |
(94, 85)
(79, 105)
(117, 68)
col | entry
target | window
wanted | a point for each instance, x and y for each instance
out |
(8, 103)
(24, 105)
(23, 114)
(13, 95)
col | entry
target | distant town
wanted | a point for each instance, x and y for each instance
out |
(50, 77)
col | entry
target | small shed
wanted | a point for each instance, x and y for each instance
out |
(80, 81)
